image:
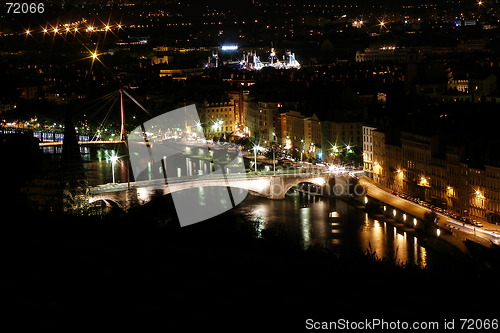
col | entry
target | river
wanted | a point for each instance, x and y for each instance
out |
(333, 223)
(310, 220)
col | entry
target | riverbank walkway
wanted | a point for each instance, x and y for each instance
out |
(487, 236)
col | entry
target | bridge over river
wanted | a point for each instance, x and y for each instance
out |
(272, 186)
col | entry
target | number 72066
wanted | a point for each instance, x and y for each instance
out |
(25, 8)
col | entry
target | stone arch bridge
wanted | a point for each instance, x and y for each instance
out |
(272, 187)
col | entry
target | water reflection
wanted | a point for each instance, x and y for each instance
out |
(335, 224)
(305, 225)
(309, 219)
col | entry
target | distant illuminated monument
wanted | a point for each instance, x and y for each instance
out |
(251, 61)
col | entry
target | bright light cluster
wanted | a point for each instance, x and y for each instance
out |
(74, 27)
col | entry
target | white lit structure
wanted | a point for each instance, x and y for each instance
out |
(368, 150)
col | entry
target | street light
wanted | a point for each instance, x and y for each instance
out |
(113, 159)
(274, 153)
(273, 146)
(255, 148)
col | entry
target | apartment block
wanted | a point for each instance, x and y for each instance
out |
(342, 134)
(239, 99)
(312, 134)
(261, 120)
(368, 150)
(424, 169)
(291, 132)
(217, 119)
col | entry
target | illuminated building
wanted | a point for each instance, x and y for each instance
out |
(419, 168)
(388, 53)
(368, 150)
(292, 128)
(181, 74)
(251, 61)
(312, 134)
(239, 99)
(261, 119)
(341, 133)
(380, 167)
(217, 119)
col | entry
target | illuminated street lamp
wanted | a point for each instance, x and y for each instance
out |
(113, 159)
(217, 125)
(273, 146)
(382, 25)
(255, 148)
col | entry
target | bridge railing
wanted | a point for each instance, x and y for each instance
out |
(209, 177)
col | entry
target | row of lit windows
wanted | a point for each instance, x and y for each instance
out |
(220, 129)
(220, 110)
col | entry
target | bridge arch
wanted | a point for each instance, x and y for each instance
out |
(109, 204)
(318, 183)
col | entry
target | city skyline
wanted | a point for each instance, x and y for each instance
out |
(279, 166)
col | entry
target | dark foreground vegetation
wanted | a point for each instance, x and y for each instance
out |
(140, 270)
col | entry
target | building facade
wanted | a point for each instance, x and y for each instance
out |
(217, 119)
(423, 169)
(261, 120)
(239, 98)
(368, 149)
(291, 132)
(312, 135)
